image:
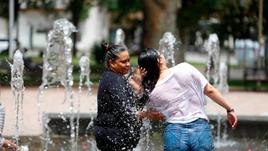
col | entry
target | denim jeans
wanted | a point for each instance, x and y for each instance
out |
(193, 136)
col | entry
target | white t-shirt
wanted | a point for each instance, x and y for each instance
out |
(180, 95)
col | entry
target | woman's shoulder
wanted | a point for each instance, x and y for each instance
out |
(184, 64)
(111, 77)
(184, 67)
(179, 66)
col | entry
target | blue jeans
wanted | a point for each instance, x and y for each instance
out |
(193, 136)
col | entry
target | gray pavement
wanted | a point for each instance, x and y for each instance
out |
(248, 105)
(52, 101)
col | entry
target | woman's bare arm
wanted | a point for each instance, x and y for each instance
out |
(217, 97)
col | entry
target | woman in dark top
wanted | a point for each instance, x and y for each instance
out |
(117, 126)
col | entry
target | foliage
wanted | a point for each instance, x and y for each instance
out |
(121, 6)
(121, 9)
(79, 9)
(248, 85)
(85, 12)
(98, 53)
(4, 9)
(46, 5)
(188, 16)
(236, 17)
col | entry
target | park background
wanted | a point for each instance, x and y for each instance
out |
(144, 23)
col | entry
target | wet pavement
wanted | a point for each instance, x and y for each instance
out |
(248, 106)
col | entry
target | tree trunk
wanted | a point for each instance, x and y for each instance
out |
(75, 7)
(159, 17)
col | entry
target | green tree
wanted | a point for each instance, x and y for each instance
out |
(4, 9)
(188, 17)
(159, 16)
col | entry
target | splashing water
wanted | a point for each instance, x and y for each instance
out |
(91, 141)
(145, 140)
(213, 49)
(223, 83)
(84, 73)
(167, 47)
(23, 148)
(17, 88)
(222, 136)
(2, 118)
(120, 37)
(216, 73)
(84, 80)
(57, 66)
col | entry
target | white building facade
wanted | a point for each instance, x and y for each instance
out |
(34, 25)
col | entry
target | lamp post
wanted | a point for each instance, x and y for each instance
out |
(260, 35)
(260, 30)
(10, 28)
(260, 20)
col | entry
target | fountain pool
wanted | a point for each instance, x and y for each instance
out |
(240, 140)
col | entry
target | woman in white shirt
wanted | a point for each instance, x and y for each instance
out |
(179, 94)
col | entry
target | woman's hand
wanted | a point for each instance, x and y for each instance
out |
(232, 118)
(137, 78)
(151, 114)
(141, 115)
(155, 115)
(9, 145)
(142, 72)
(139, 74)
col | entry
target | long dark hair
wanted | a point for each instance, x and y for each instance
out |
(148, 59)
(111, 52)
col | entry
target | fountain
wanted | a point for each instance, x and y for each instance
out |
(198, 41)
(84, 81)
(57, 68)
(216, 72)
(17, 88)
(223, 81)
(120, 37)
(221, 137)
(84, 74)
(2, 118)
(167, 47)
(213, 49)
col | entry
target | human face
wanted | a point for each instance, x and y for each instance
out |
(121, 64)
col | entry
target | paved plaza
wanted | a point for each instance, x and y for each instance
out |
(248, 105)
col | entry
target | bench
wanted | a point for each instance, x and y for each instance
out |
(256, 76)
